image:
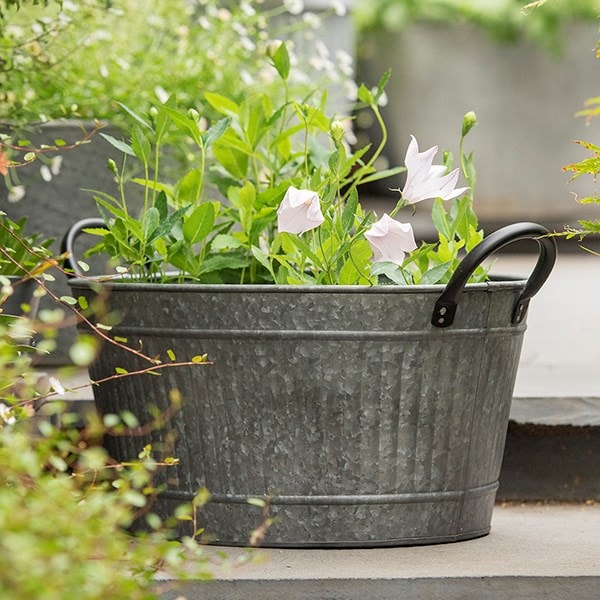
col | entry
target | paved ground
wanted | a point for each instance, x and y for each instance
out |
(550, 552)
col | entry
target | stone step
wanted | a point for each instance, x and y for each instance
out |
(534, 552)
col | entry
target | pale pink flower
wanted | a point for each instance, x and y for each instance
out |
(390, 240)
(424, 179)
(299, 211)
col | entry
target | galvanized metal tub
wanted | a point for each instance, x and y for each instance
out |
(361, 422)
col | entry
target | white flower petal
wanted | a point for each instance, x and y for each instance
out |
(424, 179)
(390, 240)
(299, 211)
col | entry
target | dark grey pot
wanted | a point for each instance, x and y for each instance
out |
(360, 421)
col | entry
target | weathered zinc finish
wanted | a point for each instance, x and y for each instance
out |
(362, 423)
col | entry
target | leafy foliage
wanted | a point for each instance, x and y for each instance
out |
(16, 257)
(135, 51)
(65, 505)
(587, 166)
(217, 224)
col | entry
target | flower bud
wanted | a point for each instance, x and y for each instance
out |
(337, 131)
(194, 115)
(112, 165)
(272, 47)
(153, 112)
(469, 120)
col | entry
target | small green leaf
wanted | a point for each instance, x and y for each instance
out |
(202, 498)
(435, 274)
(151, 222)
(223, 261)
(140, 145)
(281, 61)
(224, 241)
(256, 502)
(171, 355)
(365, 95)
(216, 131)
(221, 103)
(200, 223)
(118, 144)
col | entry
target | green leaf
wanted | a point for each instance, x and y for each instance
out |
(118, 144)
(301, 244)
(356, 268)
(383, 81)
(140, 145)
(189, 187)
(390, 270)
(135, 116)
(161, 205)
(200, 223)
(223, 261)
(232, 159)
(435, 274)
(183, 123)
(224, 241)
(350, 210)
(440, 218)
(150, 222)
(365, 95)
(222, 104)
(216, 131)
(383, 174)
(281, 61)
(256, 502)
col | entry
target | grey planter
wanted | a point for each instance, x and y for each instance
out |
(360, 421)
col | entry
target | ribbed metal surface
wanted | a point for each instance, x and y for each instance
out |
(364, 424)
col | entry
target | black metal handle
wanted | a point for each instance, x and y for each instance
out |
(68, 243)
(446, 305)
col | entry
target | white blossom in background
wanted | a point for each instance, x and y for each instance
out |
(425, 180)
(294, 7)
(339, 8)
(16, 193)
(299, 211)
(46, 173)
(345, 62)
(247, 9)
(161, 94)
(56, 385)
(56, 164)
(390, 240)
(312, 20)
(6, 414)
